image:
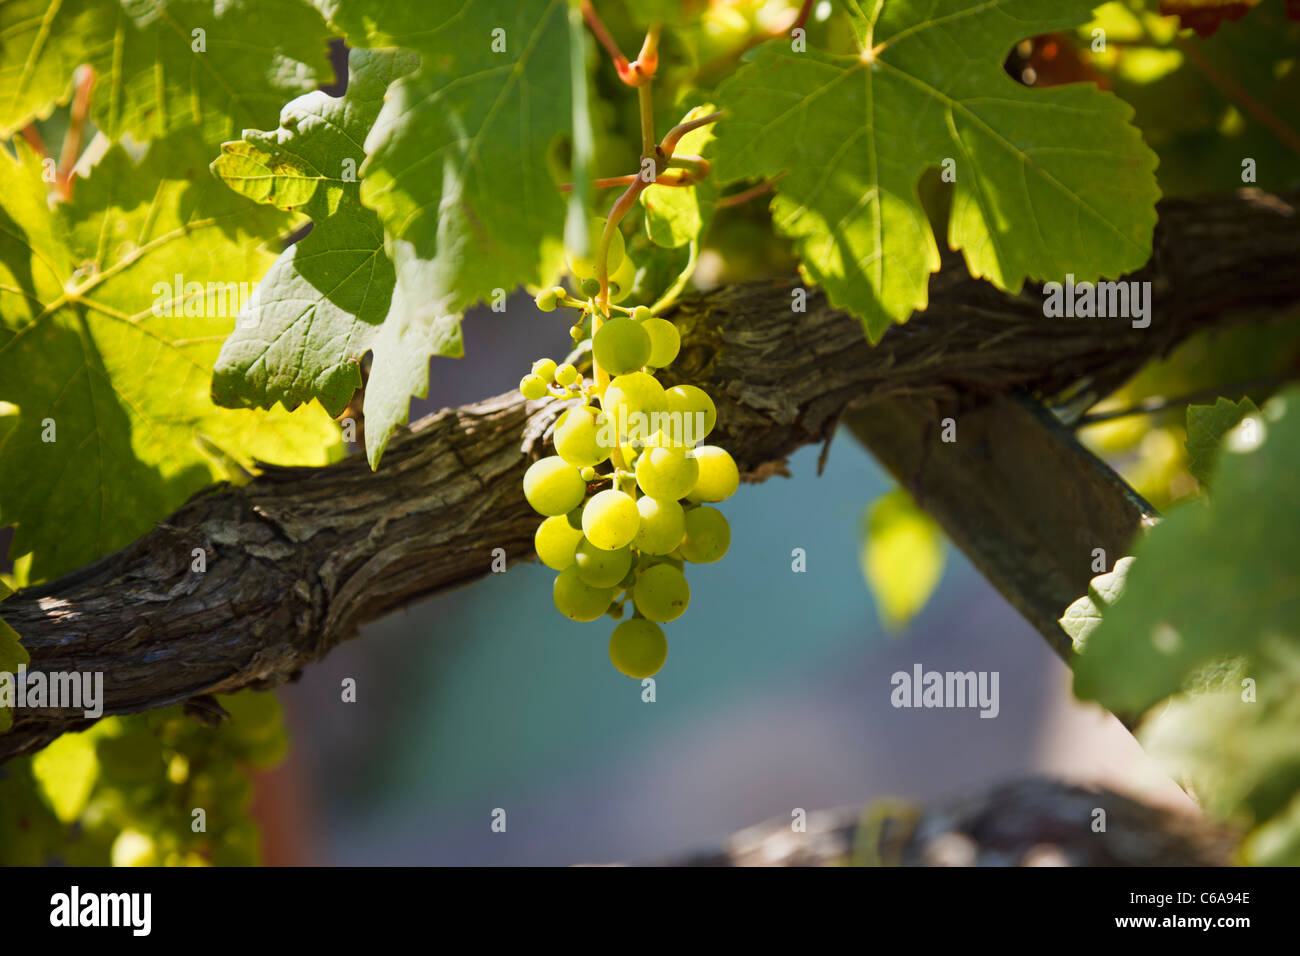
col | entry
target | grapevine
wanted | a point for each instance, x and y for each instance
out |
(626, 497)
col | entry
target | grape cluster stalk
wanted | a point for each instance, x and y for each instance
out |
(627, 497)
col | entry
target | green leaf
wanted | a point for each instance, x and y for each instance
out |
(902, 556)
(1082, 617)
(12, 655)
(1231, 742)
(116, 427)
(1048, 181)
(66, 771)
(457, 159)
(1211, 580)
(326, 300)
(151, 77)
(1206, 427)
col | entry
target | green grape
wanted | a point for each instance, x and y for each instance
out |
(610, 520)
(661, 593)
(566, 375)
(553, 486)
(719, 476)
(638, 648)
(544, 369)
(707, 536)
(547, 301)
(583, 436)
(687, 400)
(662, 525)
(622, 281)
(665, 342)
(641, 313)
(555, 541)
(599, 568)
(630, 397)
(574, 517)
(620, 345)
(532, 387)
(591, 289)
(578, 600)
(588, 474)
(666, 473)
(584, 267)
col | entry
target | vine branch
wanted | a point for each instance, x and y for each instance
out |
(299, 558)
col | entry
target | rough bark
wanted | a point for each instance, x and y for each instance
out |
(1032, 822)
(298, 558)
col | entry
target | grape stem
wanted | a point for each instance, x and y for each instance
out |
(727, 202)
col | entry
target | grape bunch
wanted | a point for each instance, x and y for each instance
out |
(627, 496)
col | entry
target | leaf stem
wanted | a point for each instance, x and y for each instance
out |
(71, 150)
(675, 134)
(736, 199)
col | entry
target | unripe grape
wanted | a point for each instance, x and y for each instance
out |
(610, 520)
(668, 473)
(686, 400)
(588, 474)
(707, 535)
(574, 518)
(662, 525)
(590, 288)
(583, 437)
(620, 345)
(578, 600)
(555, 542)
(661, 593)
(566, 375)
(532, 387)
(547, 301)
(544, 369)
(641, 313)
(665, 342)
(719, 476)
(638, 648)
(622, 281)
(629, 396)
(553, 486)
(599, 568)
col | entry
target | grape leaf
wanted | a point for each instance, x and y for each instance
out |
(161, 65)
(115, 425)
(457, 160)
(12, 654)
(66, 771)
(1082, 617)
(1206, 427)
(902, 556)
(1210, 580)
(325, 301)
(1048, 182)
